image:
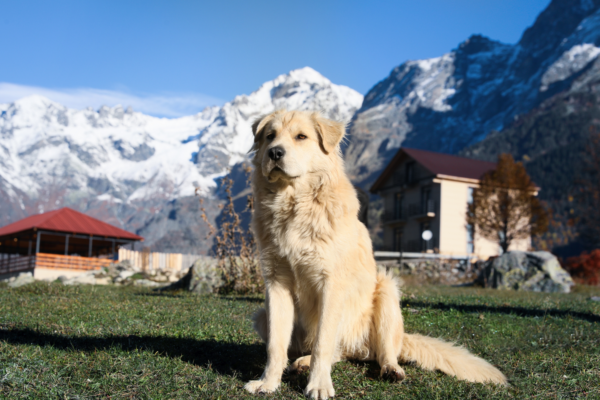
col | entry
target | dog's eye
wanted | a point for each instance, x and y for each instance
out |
(271, 136)
(301, 136)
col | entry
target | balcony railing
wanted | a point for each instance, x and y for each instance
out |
(393, 216)
(426, 209)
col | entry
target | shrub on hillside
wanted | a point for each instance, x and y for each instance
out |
(585, 268)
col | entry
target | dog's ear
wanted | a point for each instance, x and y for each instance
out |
(330, 132)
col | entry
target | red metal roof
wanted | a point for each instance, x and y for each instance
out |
(69, 221)
(437, 164)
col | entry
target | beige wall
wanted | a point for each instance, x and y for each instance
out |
(453, 207)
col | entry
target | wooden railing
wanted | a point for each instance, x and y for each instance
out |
(45, 260)
(10, 263)
(152, 261)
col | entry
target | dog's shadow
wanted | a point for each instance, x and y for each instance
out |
(242, 361)
(515, 310)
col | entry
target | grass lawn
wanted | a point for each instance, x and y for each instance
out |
(91, 342)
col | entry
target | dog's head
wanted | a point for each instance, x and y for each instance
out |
(291, 144)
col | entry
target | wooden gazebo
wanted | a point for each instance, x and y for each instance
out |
(61, 239)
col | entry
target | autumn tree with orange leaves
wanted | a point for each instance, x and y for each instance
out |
(505, 207)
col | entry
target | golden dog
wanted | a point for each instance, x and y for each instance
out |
(324, 295)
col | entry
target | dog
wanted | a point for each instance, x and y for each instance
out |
(325, 298)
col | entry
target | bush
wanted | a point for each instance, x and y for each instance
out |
(235, 247)
(585, 269)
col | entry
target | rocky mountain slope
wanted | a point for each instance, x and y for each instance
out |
(136, 171)
(448, 103)
(552, 142)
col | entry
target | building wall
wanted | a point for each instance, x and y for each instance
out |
(453, 230)
(453, 208)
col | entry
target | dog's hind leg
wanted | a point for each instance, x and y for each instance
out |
(261, 324)
(261, 327)
(387, 330)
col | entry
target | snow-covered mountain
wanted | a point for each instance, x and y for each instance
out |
(448, 103)
(131, 169)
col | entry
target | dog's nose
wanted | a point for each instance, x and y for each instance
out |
(276, 153)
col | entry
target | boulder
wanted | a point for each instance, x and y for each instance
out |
(24, 278)
(146, 283)
(203, 277)
(87, 278)
(537, 271)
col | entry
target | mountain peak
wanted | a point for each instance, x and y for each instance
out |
(477, 44)
(307, 74)
(557, 21)
(35, 101)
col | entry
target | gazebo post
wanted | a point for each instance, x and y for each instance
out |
(37, 245)
(90, 246)
(113, 249)
(67, 245)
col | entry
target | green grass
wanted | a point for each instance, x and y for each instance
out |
(88, 342)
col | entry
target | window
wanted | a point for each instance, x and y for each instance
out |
(410, 172)
(470, 228)
(470, 239)
(397, 246)
(398, 202)
(426, 202)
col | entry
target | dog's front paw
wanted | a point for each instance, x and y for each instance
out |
(261, 386)
(320, 389)
(392, 372)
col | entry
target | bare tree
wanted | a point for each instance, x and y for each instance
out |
(504, 206)
(235, 247)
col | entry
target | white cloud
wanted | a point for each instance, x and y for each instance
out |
(160, 105)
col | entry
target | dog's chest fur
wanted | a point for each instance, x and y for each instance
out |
(299, 225)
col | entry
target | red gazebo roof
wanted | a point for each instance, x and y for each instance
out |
(69, 221)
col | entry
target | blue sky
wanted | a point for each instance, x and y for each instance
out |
(174, 57)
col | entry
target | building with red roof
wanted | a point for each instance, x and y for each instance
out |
(427, 191)
(60, 239)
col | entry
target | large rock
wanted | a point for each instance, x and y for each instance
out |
(537, 271)
(86, 278)
(203, 277)
(24, 278)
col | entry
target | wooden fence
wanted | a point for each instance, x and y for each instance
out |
(45, 260)
(144, 260)
(148, 261)
(10, 263)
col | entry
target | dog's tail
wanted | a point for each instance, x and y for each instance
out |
(430, 354)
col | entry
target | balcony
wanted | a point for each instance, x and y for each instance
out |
(424, 210)
(391, 217)
(421, 211)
